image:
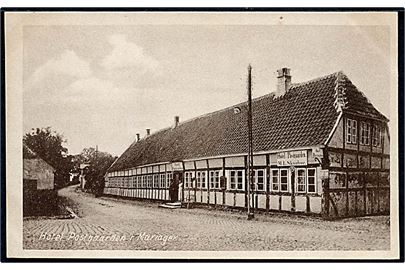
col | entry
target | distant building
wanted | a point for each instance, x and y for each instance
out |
(38, 175)
(320, 147)
(82, 175)
(38, 183)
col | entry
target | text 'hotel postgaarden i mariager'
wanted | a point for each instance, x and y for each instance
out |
(320, 147)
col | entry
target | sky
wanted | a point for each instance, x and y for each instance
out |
(100, 85)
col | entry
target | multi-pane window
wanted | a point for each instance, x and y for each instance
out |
(144, 181)
(139, 182)
(259, 178)
(376, 136)
(301, 177)
(156, 181)
(150, 181)
(284, 180)
(275, 180)
(351, 131)
(214, 179)
(365, 133)
(201, 179)
(162, 180)
(236, 179)
(188, 178)
(169, 179)
(311, 181)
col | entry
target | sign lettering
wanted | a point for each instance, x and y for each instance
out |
(292, 158)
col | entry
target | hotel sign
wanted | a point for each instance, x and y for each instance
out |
(292, 158)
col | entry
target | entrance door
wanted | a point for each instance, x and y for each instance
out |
(174, 186)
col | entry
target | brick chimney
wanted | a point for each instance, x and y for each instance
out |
(138, 137)
(176, 121)
(147, 132)
(283, 81)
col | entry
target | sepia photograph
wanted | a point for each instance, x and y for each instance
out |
(202, 135)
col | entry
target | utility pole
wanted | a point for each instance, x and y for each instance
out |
(250, 145)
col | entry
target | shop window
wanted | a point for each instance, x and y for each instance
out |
(214, 179)
(284, 180)
(365, 133)
(260, 178)
(275, 180)
(311, 181)
(236, 179)
(301, 177)
(351, 129)
(376, 136)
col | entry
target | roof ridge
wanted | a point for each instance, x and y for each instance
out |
(334, 74)
(262, 97)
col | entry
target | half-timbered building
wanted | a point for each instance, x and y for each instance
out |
(320, 147)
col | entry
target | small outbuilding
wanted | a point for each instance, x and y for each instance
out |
(39, 194)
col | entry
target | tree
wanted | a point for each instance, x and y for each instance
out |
(99, 162)
(48, 145)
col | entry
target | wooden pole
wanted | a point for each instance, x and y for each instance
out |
(250, 145)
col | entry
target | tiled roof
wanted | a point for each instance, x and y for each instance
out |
(303, 117)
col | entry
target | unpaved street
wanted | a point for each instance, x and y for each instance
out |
(108, 223)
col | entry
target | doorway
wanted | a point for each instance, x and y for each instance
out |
(174, 186)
